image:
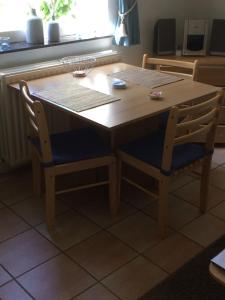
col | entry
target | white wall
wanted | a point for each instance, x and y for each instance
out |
(161, 9)
(218, 9)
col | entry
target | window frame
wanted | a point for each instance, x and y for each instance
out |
(23, 46)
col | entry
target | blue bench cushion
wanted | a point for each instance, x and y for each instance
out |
(149, 149)
(75, 145)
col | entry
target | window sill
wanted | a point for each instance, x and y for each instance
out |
(22, 46)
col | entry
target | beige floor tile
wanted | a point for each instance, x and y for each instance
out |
(75, 199)
(97, 292)
(140, 199)
(134, 196)
(33, 210)
(218, 177)
(10, 224)
(139, 231)
(205, 229)
(180, 212)
(16, 189)
(95, 206)
(197, 170)
(219, 211)
(219, 155)
(214, 165)
(70, 229)
(101, 254)
(25, 251)
(173, 252)
(191, 193)
(180, 180)
(4, 276)
(12, 291)
(56, 279)
(134, 279)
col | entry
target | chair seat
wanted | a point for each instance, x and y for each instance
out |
(149, 149)
(72, 146)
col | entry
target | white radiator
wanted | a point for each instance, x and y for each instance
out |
(13, 141)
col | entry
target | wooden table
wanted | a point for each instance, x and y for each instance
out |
(135, 104)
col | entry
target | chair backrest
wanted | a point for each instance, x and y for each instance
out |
(180, 65)
(36, 123)
(199, 119)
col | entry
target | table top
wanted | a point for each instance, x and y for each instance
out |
(135, 103)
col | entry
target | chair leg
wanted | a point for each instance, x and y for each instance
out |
(36, 170)
(113, 189)
(50, 197)
(163, 205)
(204, 188)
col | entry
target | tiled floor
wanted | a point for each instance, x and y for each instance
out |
(91, 256)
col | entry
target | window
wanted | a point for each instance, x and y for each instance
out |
(87, 18)
(12, 15)
(91, 19)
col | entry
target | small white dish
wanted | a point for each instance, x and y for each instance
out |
(156, 95)
(119, 84)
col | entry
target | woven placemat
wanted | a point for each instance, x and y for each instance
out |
(147, 78)
(75, 97)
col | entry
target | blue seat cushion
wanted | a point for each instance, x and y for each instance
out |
(149, 149)
(163, 119)
(71, 146)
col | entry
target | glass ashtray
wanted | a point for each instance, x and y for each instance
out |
(4, 43)
(80, 64)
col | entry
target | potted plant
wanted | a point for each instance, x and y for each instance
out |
(52, 10)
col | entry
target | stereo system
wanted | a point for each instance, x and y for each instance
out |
(195, 37)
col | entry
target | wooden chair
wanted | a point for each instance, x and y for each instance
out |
(172, 67)
(180, 68)
(64, 153)
(210, 73)
(168, 152)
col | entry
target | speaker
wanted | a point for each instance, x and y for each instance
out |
(217, 43)
(165, 37)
